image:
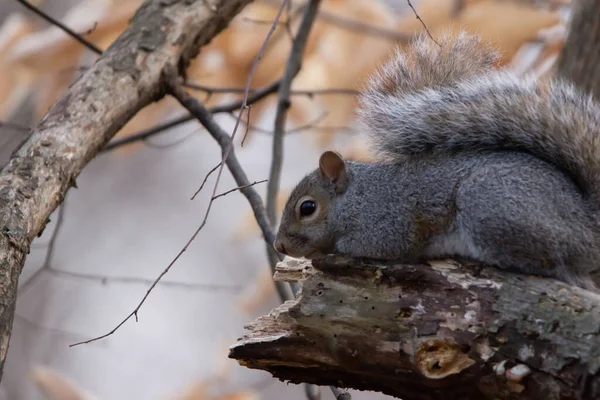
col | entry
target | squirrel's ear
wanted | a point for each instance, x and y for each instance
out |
(333, 169)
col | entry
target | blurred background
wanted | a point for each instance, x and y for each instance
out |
(132, 212)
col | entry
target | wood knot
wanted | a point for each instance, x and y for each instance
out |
(437, 359)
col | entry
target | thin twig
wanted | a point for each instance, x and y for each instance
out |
(283, 103)
(62, 26)
(225, 108)
(357, 26)
(307, 93)
(307, 126)
(422, 23)
(238, 188)
(206, 119)
(170, 145)
(226, 143)
(205, 179)
(256, 96)
(247, 122)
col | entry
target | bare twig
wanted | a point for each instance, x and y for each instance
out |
(422, 23)
(357, 26)
(283, 103)
(48, 268)
(62, 26)
(307, 93)
(225, 108)
(310, 125)
(366, 29)
(247, 123)
(255, 96)
(238, 188)
(226, 143)
(208, 174)
(245, 187)
(170, 145)
(206, 119)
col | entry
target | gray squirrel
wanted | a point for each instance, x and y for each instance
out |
(476, 162)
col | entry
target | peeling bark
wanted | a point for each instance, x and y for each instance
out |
(127, 77)
(439, 331)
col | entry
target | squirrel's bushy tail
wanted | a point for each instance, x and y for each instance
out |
(431, 99)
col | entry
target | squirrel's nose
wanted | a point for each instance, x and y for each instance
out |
(279, 246)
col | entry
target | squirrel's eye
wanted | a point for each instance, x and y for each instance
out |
(307, 208)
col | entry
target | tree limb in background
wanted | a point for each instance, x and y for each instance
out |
(206, 119)
(292, 68)
(256, 96)
(127, 77)
(60, 25)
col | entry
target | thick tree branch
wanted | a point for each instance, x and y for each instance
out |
(429, 332)
(127, 77)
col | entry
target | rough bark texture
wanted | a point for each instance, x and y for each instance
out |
(439, 331)
(127, 77)
(580, 58)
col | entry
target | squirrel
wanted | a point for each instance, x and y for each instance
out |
(473, 162)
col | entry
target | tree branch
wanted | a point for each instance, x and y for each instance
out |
(429, 332)
(256, 96)
(292, 68)
(60, 25)
(127, 77)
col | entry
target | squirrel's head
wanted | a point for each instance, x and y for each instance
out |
(305, 228)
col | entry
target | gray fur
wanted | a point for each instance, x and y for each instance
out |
(479, 164)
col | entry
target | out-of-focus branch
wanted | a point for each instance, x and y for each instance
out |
(237, 90)
(256, 96)
(357, 26)
(62, 26)
(292, 68)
